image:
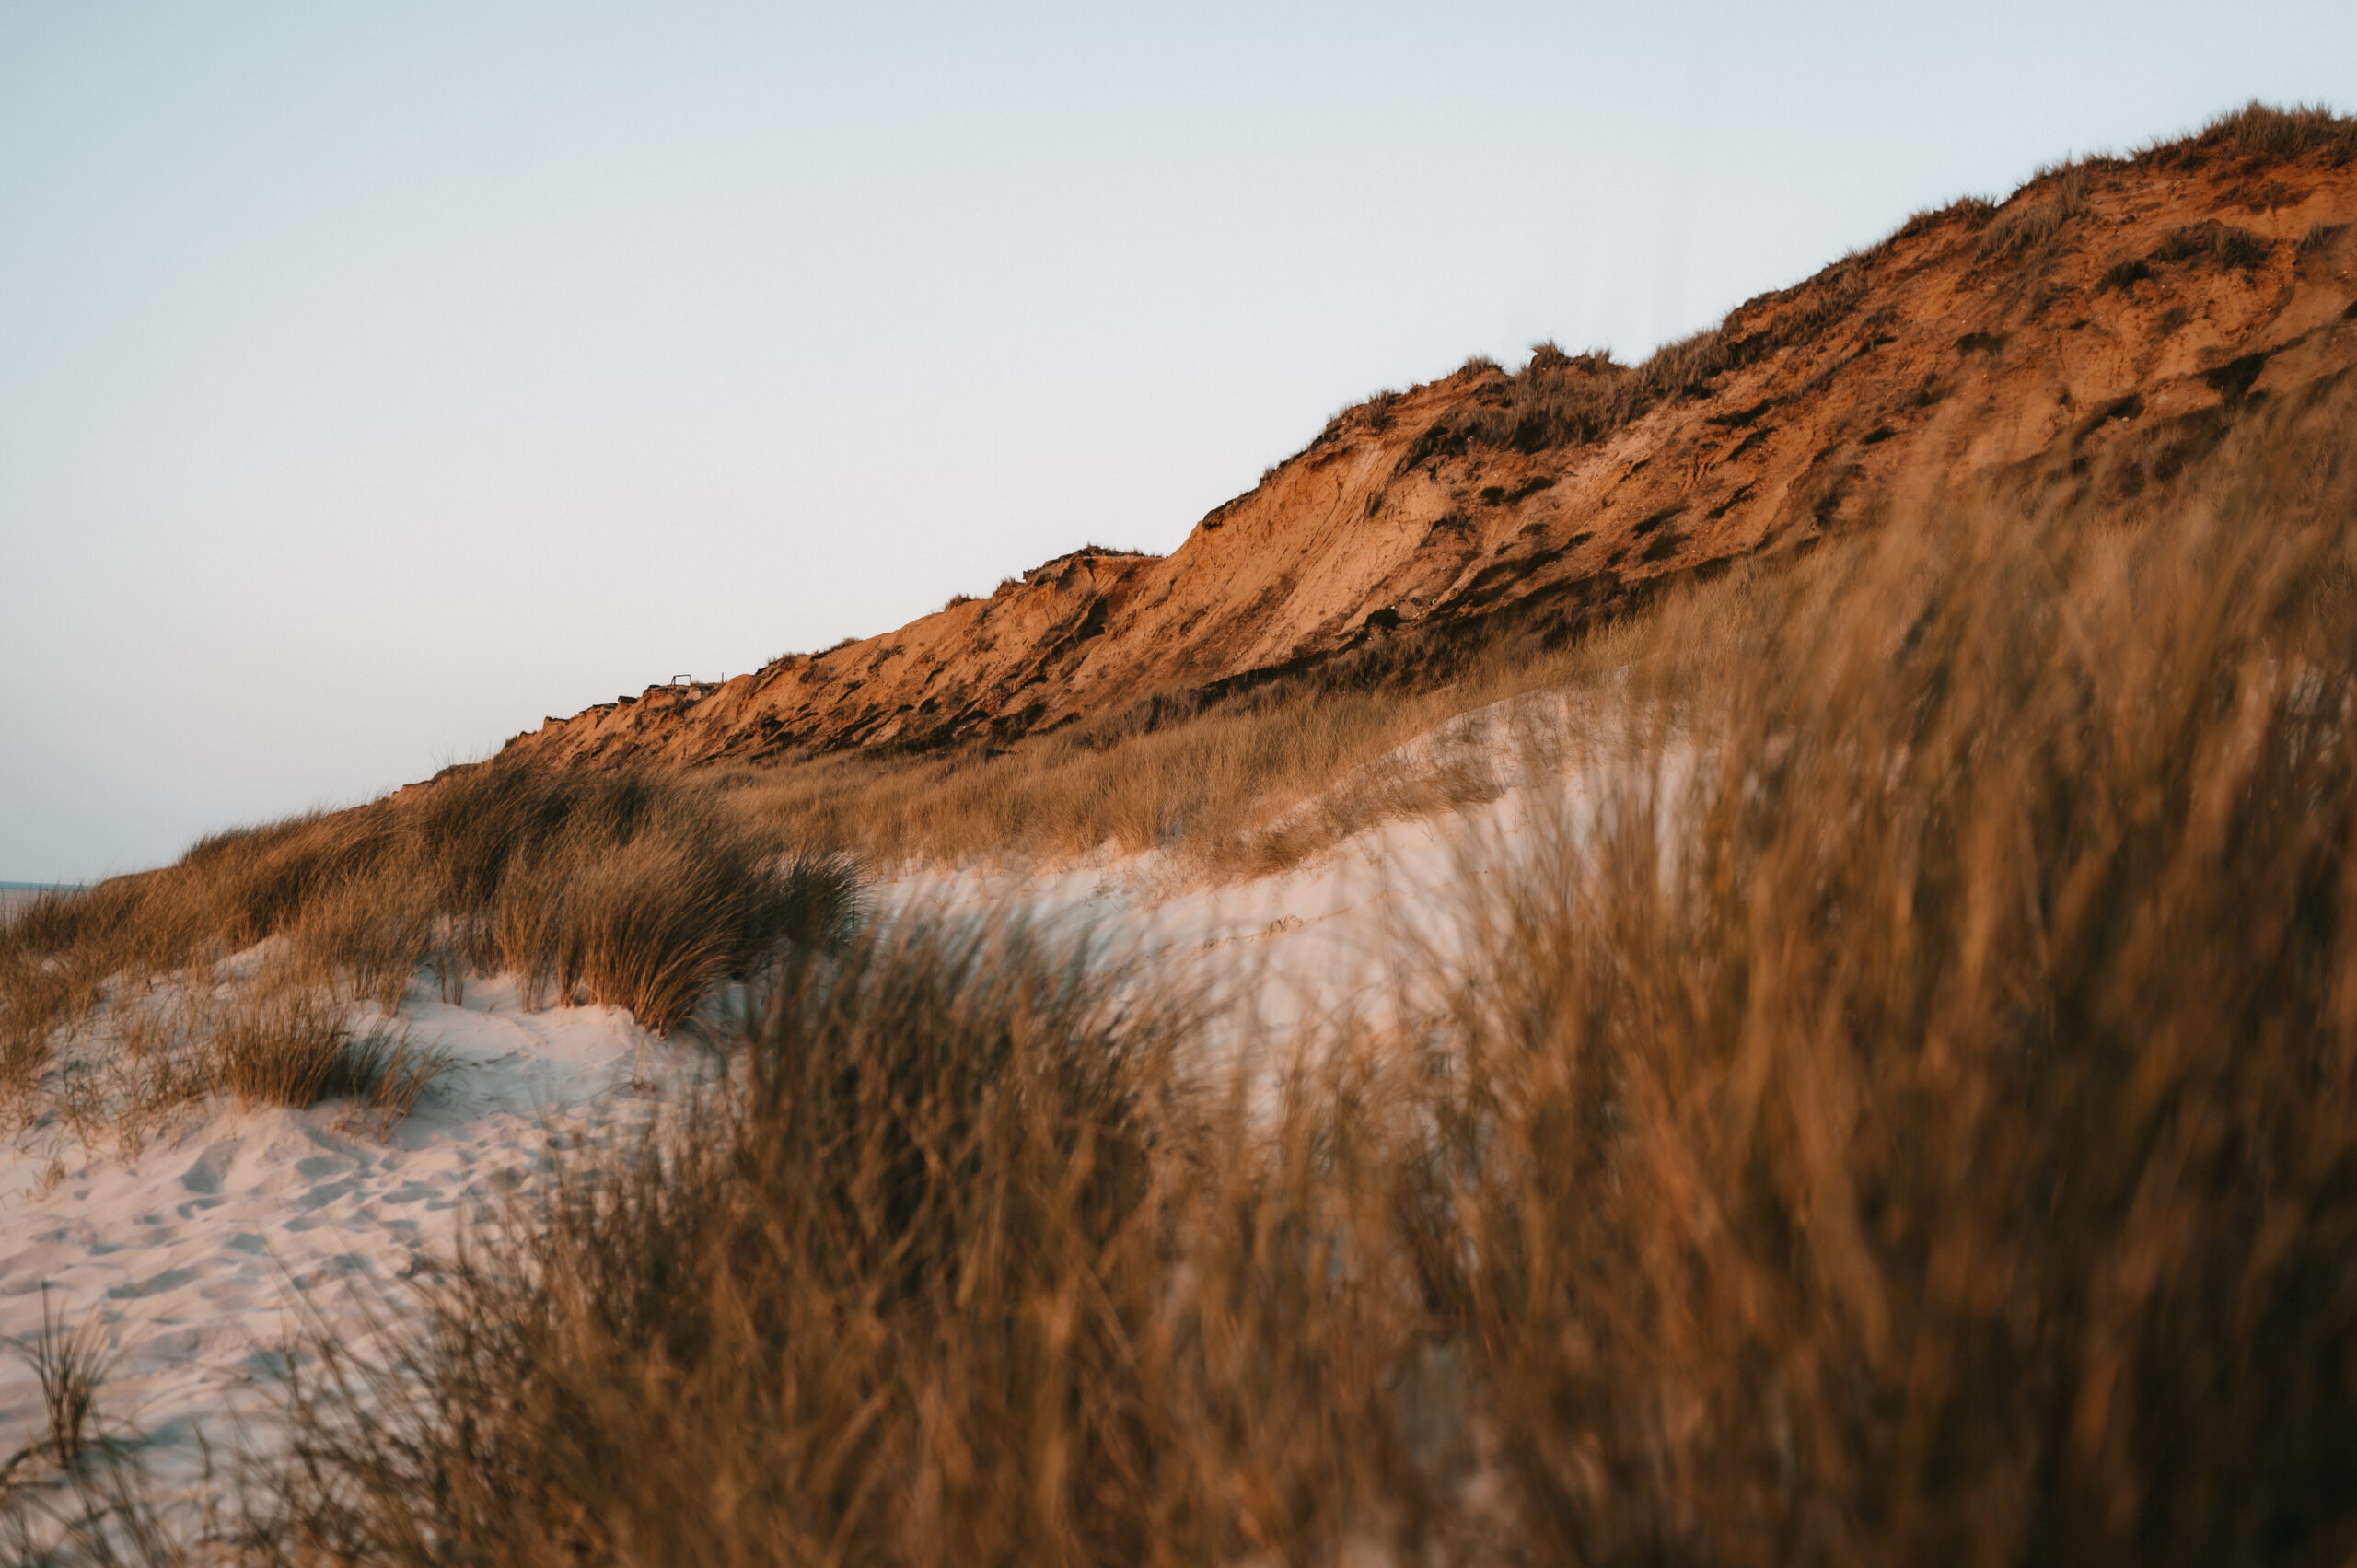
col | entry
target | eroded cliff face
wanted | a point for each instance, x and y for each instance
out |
(2102, 328)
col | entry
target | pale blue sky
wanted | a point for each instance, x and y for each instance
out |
(377, 379)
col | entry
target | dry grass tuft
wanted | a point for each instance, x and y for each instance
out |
(292, 1045)
(70, 1364)
(2024, 223)
(2221, 244)
(2259, 131)
(1560, 399)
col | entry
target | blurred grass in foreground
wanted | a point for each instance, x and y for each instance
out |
(1907, 1112)
(1912, 1117)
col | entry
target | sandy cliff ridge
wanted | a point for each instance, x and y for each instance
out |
(2101, 328)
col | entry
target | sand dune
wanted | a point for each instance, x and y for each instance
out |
(207, 1252)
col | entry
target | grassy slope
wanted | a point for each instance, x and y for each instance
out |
(1918, 1121)
(641, 892)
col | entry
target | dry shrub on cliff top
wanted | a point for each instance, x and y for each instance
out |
(2261, 131)
(1558, 400)
(1907, 1112)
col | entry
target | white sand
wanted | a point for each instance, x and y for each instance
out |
(201, 1253)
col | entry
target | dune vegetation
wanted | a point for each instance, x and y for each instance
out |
(1906, 1111)
(1241, 787)
(1894, 1101)
(255, 965)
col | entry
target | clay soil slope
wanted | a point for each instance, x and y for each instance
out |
(2100, 330)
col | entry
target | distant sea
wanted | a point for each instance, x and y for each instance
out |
(15, 894)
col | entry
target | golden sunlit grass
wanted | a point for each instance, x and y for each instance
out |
(1904, 1109)
(1242, 788)
(1923, 1127)
(242, 968)
(963, 1269)
(269, 1036)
